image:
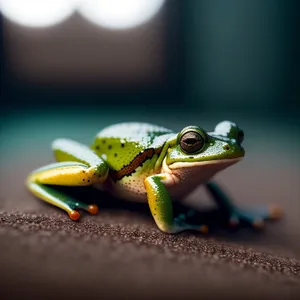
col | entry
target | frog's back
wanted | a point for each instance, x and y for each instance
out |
(122, 144)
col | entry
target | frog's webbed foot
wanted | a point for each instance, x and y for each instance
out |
(180, 222)
(254, 216)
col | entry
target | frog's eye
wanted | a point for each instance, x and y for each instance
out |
(191, 142)
(240, 136)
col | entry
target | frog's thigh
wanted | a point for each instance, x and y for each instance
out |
(67, 174)
(161, 206)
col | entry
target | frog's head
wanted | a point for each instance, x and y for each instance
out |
(208, 151)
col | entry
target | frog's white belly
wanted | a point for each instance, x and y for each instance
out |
(136, 192)
(131, 188)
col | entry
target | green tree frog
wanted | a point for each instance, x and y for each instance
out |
(148, 163)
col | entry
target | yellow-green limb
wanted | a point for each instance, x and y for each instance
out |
(61, 200)
(161, 206)
(84, 168)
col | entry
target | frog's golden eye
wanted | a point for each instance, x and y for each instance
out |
(240, 136)
(191, 142)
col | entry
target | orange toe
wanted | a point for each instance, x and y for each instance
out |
(203, 229)
(93, 209)
(275, 211)
(74, 215)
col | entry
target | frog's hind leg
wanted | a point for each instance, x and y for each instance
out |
(78, 166)
(254, 217)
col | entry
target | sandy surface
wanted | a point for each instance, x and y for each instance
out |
(121, 253)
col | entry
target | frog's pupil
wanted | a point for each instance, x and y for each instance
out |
(190, 141)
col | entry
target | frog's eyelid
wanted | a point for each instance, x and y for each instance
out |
(185, 130)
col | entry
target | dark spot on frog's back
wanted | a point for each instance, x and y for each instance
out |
(116, 154)
(109, 147)
(122, 145)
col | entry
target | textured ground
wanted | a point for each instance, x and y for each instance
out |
(120, 252)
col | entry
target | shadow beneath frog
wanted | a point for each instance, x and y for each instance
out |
(216, 219)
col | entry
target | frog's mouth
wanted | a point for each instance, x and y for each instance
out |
(216, 164)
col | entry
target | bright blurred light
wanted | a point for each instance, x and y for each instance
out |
(120, 14)
(37, 13)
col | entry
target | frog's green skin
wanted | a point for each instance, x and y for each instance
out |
(147, 163)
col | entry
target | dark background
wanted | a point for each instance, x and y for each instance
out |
(196, 62)
(206, 54)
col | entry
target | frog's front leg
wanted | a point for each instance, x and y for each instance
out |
(161, 206)
(254, 217)
(77, 166)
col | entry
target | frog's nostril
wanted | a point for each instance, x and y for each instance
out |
(226, 147)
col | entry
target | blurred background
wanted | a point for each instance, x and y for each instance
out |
(133, 54)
